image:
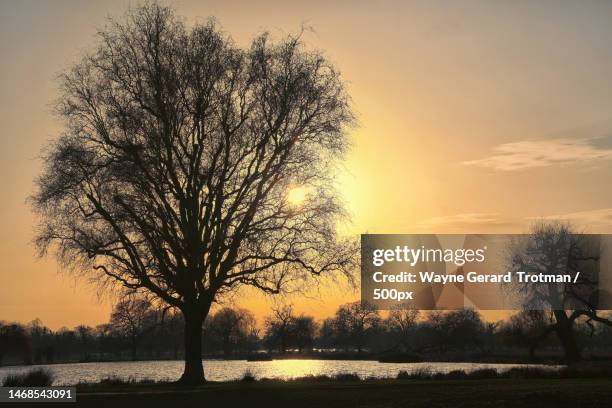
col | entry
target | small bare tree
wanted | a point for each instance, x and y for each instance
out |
(179, 154)
(133, 318)
(279, 327)
(231, 329)
(402, 323)
(355, 321)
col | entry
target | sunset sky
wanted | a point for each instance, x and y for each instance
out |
(473, 117)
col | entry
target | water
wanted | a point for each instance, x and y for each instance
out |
(223, 370)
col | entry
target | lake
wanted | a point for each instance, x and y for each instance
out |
(225, 370)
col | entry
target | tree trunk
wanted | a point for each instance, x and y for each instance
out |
(133, 348)
(194, 371)
(226, 346)
(565, 332)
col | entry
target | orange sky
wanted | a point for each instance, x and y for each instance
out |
(474, 117)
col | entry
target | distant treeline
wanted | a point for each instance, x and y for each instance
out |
(138, 330)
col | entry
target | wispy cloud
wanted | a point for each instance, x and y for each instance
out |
(542, 153)
(466, 223)
(593, 221)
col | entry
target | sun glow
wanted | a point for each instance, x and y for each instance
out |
(297, 195)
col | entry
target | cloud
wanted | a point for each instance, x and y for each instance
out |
(542, 153)
(593, 221)
(466, 223)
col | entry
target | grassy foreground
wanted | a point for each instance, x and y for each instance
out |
(540, 393)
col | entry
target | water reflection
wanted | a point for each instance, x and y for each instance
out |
(222, 370)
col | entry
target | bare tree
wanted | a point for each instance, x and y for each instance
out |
(279, 327)
(231, 328)
(554, 248)
(179, 153)
(14, 340)
(133, 318)
(527, 328)
(402, 323)
(85, 334)
(304, 331)
(355, 321)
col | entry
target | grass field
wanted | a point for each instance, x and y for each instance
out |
(538, 393)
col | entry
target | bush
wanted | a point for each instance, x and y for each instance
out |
(452, 375)
(313, 378)
(115, 380)
(39, 377)
(317, 378)
(565, 372)
(483, 373)
(248, 376)
(423, 373)
(346, 377)
(531, 372)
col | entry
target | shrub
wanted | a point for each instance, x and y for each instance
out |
(115, 380)
(452, 375)
(483, 373)
(403, 375)
(346, 377)
(422, 373)
(313, 378)
(425, 373)
(39, 377)
(248, 376)
(531, 372)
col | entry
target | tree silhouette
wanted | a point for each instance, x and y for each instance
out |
(178, 155)
(354, 322)
(525, 329)
(402, 322)
(85, 334)
(279, 327)
(304, 331)
(230, 329)
(14, 339)
(554, 248)
(132, 318)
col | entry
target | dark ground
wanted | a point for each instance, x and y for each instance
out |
(540, 393)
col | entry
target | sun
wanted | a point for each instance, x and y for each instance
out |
(297, 195)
